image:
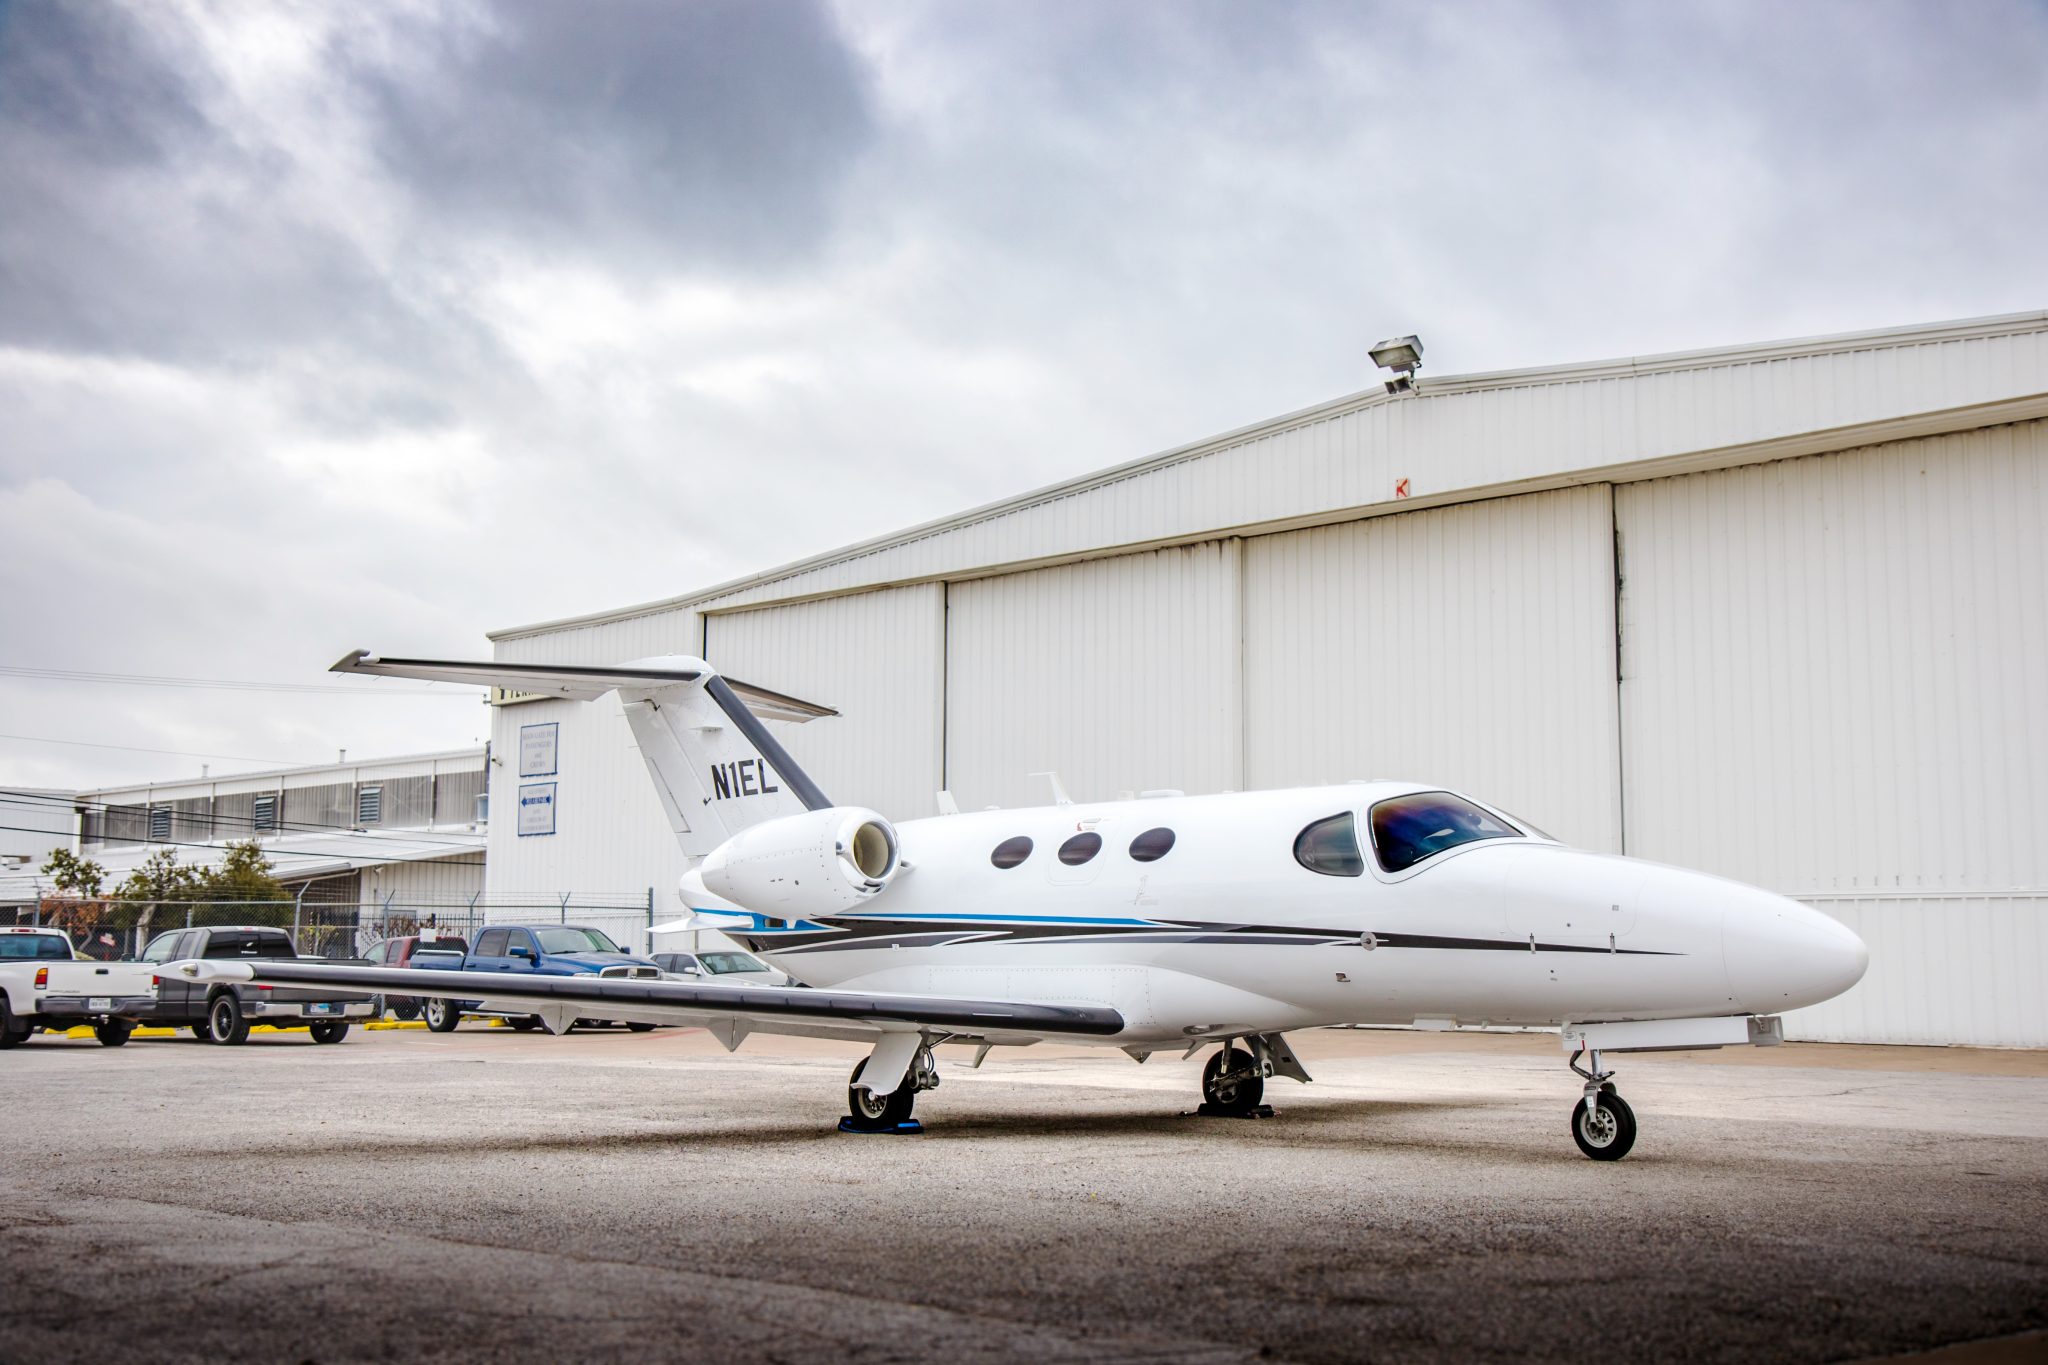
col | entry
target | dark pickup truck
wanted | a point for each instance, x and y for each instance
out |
(222, 1011)
(532, 949)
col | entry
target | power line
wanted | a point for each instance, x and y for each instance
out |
(220, 684)
(138, 749)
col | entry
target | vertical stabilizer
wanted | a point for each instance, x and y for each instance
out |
(714, 764)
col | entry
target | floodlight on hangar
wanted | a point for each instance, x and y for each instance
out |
(1402, 355)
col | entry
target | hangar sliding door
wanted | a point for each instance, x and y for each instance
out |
(876, 658)
(1471, 645)
(1835, 685)
(1119, 674)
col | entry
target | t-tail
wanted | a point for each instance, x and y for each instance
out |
(717, 768)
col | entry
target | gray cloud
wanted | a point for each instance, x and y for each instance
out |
(709, 135)
(326, 327)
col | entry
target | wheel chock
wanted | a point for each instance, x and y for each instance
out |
(907, 1126)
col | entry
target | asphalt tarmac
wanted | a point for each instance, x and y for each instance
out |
(609, 1196)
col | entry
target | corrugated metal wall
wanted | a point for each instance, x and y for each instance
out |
(878, 658)
(1121, 674)
(1472, 646)
(1834, 675)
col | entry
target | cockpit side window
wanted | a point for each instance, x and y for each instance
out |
(1408, 829)
(1330, 846)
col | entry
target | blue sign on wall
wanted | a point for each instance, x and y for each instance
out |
(537, 809)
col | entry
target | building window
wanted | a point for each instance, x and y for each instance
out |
(1330, 846)
(159, 822)
(369, 805)
(1152, 845)
(1080, 848)
(1011, 852)
(264, 813)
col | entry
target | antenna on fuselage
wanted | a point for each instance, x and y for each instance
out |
(1059, 792)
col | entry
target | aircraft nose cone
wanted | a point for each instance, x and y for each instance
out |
(1783, 955)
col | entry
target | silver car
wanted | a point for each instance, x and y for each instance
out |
(722, 967)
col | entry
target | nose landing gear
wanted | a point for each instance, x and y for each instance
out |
(1602, 1123)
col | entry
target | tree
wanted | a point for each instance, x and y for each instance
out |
(76, 908)
(244, 874)
(73, 875)
(162, 878)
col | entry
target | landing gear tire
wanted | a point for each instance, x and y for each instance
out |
(224, 1021)
(1240, 1094)
(1607, 1130)
(868, 1112)
(329, 1030)
(112, 1032)
(443, 1016)
(525, 1023)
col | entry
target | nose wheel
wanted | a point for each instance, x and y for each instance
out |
(1602, 1123)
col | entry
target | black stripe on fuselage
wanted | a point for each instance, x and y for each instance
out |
(859, 935)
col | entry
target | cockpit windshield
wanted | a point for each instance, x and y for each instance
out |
(1407, 829)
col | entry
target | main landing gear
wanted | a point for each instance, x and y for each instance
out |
(1602, 1123)
(868, 1112)
(1233, 1083)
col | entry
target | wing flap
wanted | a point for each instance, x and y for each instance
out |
(771, 1008)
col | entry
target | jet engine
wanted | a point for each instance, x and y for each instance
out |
(822, 862)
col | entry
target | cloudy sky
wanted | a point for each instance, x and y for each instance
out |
(388, 324)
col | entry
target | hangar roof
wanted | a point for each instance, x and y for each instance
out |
(1455, 439)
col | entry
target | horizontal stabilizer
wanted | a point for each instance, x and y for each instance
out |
(580, 683)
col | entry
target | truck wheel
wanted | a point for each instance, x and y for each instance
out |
(329, 1030)
(406, 1012)
(112, 1032)
(199, 1032)
(224, 1021)
(641, 1028)
(525, 1023)
(443, 1016)
(11, 1033)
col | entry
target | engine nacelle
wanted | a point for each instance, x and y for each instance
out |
(822, 862)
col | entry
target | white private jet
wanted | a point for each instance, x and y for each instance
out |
(1162, 923)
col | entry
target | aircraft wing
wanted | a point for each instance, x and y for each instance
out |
(729, 1012)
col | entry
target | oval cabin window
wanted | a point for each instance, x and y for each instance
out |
(1330, 846)
(1152, 845)
(1080, 848)
(1010, 852)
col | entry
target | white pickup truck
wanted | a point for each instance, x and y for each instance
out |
(44, 984)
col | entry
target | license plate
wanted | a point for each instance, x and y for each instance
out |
(100, 1002)
(323, 1009)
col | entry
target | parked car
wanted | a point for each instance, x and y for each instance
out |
(222, 1011)
(728, 966)
(44, 983)
(541, 949)
(398, 952)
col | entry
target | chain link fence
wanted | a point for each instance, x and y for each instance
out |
(111, 929)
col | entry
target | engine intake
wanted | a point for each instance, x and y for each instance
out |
(819, 863)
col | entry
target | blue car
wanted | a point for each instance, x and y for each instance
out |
(532, 949)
